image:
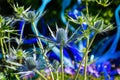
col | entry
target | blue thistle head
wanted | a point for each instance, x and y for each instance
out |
(31, 14)
(61, 36)
(30, 63)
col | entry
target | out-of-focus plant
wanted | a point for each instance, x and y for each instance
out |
(104, 3)
(2, 76)
(20, 11)
(5, 30)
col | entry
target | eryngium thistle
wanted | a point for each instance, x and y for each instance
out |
(61, 36)
(31, 14)
(30, 63)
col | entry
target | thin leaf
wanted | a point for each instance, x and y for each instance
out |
(14, 63)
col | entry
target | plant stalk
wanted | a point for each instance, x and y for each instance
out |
(87, 8)
(86, 59)
(39, 41)
(49, 66)
(62, 68)
(2, 48)
(40, 74)
(86, 53)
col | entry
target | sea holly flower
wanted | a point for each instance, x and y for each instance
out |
(16, 54)
(94, 24)
(20, 11)
(99, 26)
(61, 39)
(31, 16)
(104, 3)
(40, 12)
(5, 25)
(62, 36)
(84, 27)
(13, 59)
(32, 64)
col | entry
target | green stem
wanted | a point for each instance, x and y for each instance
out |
(87, 8)
(57, 75)
(92, 40)
(39, 41)
(21, 34)
(17, 77)
(49, 66)
(40, 74)
(86, 58)
(5, 46)
(9, 42)
(2, 47)
(85, 68)
(61, 56)
(86, 53)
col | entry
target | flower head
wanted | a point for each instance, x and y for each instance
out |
(61, 39)
(5, 26)
(61, 36)
(31, 16)
(30, 63)
(20, 11)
